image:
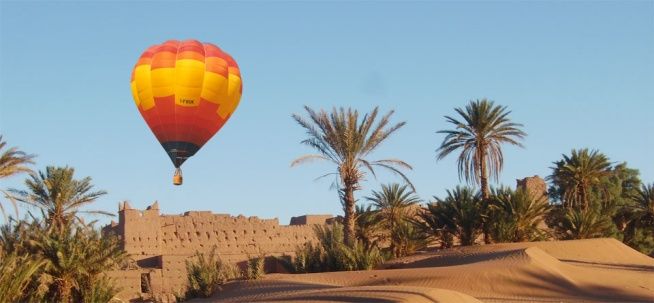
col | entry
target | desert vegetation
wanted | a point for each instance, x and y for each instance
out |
(345, 140)
(331, 253)
(207, 272)
(588, 197)
(54, 255)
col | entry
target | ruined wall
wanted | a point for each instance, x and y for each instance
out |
(160, 244)
(535, 186)
(310, 219)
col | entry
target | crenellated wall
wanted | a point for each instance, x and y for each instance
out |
(159, 245)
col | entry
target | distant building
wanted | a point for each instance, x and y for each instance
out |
(535, 186)
(159, 245)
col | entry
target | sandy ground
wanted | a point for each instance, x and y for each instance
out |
(595, 270)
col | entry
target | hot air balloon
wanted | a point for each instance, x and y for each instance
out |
(185, 91)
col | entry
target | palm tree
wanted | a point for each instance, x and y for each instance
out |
(575, 175)
(16, 272)
(431, 223)
(75, 258)
(582, 224)
(341, 138)
(479, 136)
(69, 262)
(409, 237)
(394, 203)
(517, 216)
(641, 213)
(460, 214)
(367, 225)
(13, 162)
(59, 195)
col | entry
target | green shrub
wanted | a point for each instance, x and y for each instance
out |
(331, 254)
(516, 216)
(207, 272)
(460, 214)
(99, 290)
(72, 259)
(581, 224)
(360, 258)
(16, 272)
(255, 268)
(642, 240)
(408, 238)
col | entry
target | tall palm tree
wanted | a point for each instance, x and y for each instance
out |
(479, 135)
(575, 175)
(342, 138)
(394, 203)
(12, 162)
(641, 213)
(59, 195)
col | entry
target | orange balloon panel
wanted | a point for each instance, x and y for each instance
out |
(185, 91)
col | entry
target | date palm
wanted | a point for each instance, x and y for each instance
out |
(582, 224)
(16, 272)
(394, 203)
(460, 214)
(367, 226)
(575, 175)
(517, 216)
(75, 258)
(431, 222)
(641, 213)
(342, 138)
(12, 162)
(479, 135)
(59, 195)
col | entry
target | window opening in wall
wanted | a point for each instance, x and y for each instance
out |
(145, 283)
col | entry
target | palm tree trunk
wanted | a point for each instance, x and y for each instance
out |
(393, 236)
(629, 232)
(583, 197)
(348, 205)
(485, 195)
(483, 178)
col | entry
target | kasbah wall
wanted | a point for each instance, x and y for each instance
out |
(159, 245)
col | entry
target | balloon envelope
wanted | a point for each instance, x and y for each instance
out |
(185, 91)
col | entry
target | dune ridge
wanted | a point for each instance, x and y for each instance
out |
(597, 270)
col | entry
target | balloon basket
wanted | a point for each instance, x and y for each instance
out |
(177, 178)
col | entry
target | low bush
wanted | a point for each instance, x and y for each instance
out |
(255, 268)
(331, 254)
(517, 216)
(206, 273)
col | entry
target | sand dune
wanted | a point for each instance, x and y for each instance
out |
(598, 270)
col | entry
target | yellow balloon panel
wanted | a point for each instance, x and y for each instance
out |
(143, 88)
(232, 98)
(214, 88)
(163, 82)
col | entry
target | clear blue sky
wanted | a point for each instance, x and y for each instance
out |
(578, 74)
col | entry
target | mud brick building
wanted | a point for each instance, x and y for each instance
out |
(159, 245)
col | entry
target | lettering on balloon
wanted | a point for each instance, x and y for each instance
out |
(186, 101)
